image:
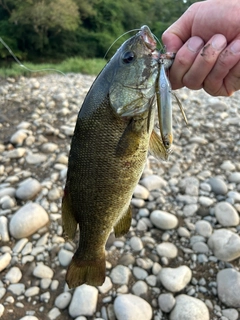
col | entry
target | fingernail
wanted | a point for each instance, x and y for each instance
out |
(235, 46)
(219, 42)
(195, 44)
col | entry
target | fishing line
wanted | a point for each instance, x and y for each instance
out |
(118, 39)
(22, 65)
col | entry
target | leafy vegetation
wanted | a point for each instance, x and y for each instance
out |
(85, 66)
(53, 30)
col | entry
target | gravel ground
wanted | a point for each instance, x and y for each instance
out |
(180, 259)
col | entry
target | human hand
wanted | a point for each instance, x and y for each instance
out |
(206, 39)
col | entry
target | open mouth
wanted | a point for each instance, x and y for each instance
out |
(148, 38)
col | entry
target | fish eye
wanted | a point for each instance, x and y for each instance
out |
(128, 57)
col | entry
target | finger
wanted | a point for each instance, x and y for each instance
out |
(180, 31)
(183, 61)
(204, 62)
(224, 77)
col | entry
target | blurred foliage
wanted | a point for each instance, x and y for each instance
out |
(53, 30)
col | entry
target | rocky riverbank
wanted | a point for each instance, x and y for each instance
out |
(180, 259)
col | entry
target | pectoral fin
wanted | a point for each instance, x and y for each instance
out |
(129, 141)
(68, 220)
(123, 225)
(156, 147)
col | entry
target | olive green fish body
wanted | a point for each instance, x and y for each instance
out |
(108, 152)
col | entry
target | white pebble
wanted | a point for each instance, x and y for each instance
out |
(136, 243)
(14, 275)
(130, 307)
(120, 275)
(225, 244)
(226, 215)
(163, 220)
(167, 249)
(27, 220)
(153, 182)
(84, 301)
(189, 308)
(175, 279)
(62, 301)
(4, 235)
(5, 260)
(42, 271)
(203, 228)
(28, 189)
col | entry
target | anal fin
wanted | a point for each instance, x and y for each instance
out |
(123, 225)
(156, 147)
(68, 220)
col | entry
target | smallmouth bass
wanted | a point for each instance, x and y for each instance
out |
(113, 133)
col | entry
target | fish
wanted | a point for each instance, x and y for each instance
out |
(114, 132)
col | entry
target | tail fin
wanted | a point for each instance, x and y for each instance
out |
(91, 272)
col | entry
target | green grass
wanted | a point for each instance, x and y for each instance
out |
(75, 65)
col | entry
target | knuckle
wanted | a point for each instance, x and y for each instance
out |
(191, 83)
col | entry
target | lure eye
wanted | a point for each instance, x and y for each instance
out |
(128, 57)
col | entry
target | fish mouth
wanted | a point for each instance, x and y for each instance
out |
(148, 38)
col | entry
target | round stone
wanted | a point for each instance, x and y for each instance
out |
(62, 301)
(166, 302)
(27, 220)
(120, 275)
(4, 235)
(29, 318)
(5, 260)
(234, 177)
(228, 284)
(218, 186)
(175, 279)
(28, 189)
(65, 257)
(167, 249)
(189, 210)
(136, 243)
(189, 308)
(14, 275)
(16, 153)
(106, 286)
(139, 273)
(203, 228)
(42, 271)
(140, 288)
(200, 247)
(1, 309)
(226, 215)
(130, 307)
(225, 244)
(153, 182)
(49, 147)
(163, 220)
(205, 201)
(141, 192)
(84, 301)
(32, 291)
(230, 314)
(227, 166)
(35, 158)
(18, 137)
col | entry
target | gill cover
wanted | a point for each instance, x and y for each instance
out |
(133, 83)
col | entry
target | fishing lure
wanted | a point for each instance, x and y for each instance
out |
(164, 101)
